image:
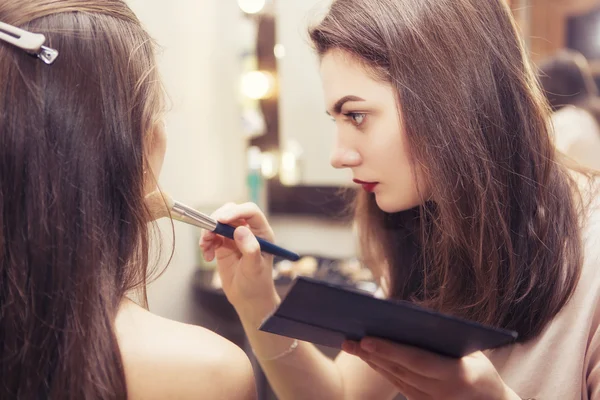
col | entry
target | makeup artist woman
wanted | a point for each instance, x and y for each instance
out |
(466, 209)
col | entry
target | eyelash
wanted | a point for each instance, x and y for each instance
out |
(352, 115)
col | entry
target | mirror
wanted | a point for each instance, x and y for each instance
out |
(304, 126)
(297, 134)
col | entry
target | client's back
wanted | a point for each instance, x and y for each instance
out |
(74, 143)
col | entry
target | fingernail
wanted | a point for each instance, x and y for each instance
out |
(367, 345)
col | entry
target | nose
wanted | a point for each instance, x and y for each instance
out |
(343, 157)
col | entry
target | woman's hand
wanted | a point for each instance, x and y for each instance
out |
(422, 375)
(246, 273)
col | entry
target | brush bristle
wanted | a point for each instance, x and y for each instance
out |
(159, 204)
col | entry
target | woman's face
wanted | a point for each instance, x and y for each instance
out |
(370, 138)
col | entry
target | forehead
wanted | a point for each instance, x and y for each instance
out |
(342, 75)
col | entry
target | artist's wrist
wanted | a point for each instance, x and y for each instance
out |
(253, 313)
(277, 356)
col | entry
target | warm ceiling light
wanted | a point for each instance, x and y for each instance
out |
(257, 85)
(251, 6)
(279, 50)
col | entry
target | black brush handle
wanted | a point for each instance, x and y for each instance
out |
(265, 245)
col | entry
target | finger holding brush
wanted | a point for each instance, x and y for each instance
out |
(162, 205)
(246, 272)
(247, 215)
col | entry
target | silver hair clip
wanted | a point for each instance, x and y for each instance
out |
(33, 43)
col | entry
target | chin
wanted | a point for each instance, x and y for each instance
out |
(390, 207)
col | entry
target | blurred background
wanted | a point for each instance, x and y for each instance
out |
(247, 123)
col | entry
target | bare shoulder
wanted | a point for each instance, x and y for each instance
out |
(165, 359)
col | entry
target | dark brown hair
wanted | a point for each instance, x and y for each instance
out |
(73, 225)
(499, 240)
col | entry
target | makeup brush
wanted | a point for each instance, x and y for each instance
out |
(162, 205)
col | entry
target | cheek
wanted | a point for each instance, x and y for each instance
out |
(162, 147)
(157, 151)
(419, 181)
(392, 153)
(405, 186)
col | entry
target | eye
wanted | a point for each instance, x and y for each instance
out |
(356, 118)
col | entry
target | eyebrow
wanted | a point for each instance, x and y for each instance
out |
(337, 107)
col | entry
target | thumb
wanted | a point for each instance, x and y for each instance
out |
(247, 244)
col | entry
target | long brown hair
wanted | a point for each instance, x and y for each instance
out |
(73, 226)
(498, 242)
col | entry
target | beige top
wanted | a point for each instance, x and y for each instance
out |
(564, 361)
(577, 135)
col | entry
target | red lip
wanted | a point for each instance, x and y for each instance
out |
(367, 186)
